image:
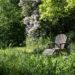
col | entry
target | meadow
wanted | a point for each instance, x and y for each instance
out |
(18, 61)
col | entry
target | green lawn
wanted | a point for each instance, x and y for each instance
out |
(15, 61)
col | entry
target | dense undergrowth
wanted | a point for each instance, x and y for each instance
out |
(17, 62)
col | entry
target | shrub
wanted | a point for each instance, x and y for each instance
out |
(11, 29)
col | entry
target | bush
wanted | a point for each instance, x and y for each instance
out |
(11, 29)
(72, 36)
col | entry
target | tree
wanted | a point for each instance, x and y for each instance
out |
(51, 9)
(11, 28)
(59, 13)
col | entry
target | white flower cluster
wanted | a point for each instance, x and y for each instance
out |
(21, 3)
(31, 21)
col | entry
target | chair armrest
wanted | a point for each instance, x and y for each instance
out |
(60, 45)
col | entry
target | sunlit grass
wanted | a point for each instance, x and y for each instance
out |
(14, 61)
(32, 44)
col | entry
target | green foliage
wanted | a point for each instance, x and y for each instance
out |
(15, 2)
(37, 45)
(14, 62)
(54, 9)
(26, 7)
(51, 9)
(72, 36)
(11, 28)
(56, 16)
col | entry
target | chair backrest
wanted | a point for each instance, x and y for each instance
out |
(60, 41)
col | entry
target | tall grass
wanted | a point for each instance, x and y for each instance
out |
(16, 62)
(39, 43)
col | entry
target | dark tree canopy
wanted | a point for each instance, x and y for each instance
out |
(11, 28)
